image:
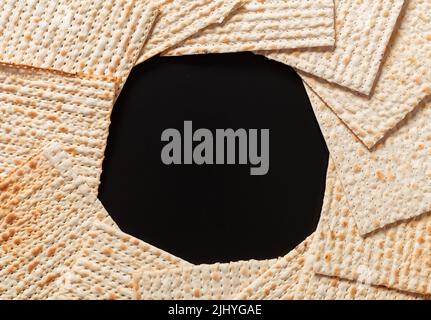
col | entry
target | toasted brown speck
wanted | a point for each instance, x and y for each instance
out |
(10, 218)
(380, 175)
(36, 250)
(51, 251)
(32, 265)
(107, 250)
(32, 164)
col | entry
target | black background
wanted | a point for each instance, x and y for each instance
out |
(216, 213)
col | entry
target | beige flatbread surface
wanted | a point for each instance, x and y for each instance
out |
(292, 278)
(39, 106)
(317, 286)
(101, 37)
(208, 282)
(266, 25)
(388, 184)
(108, 266)
(320, 287)
(180, 19)
(313, 286)
(44, 212)
(281, 278)
(404, 82)
(396, 257)
(363, 30)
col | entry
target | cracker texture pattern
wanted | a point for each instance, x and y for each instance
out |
(280, 279)
(266, 25)
(292, 278)
(180, 19)
(45, 210)
(319, 286)
(108, 266)
(389, 184)
(100, 37)
(405, 81)
(396, 257)
(208, 282)
(363, 30)
(39, 106)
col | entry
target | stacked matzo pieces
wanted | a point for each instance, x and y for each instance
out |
(203, 282)
(266, 25)
(45, 211)
(397, 172)
(61, 67)
(180, 19)
(58, 240)
(396, 168)
(100, 37)
(110, 264)
(334, 205)
(39, 106)
(404, 82)
(396, 257)
(374, 228)
(292, 278)
(363, 30)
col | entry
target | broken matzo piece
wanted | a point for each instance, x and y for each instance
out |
(404, 82)
(180, 19)
(109, 264)
(45, 211)
(39, 106)
(363, 30)
(210, 282)
(266, 25)
(92, 37)
(390, 183)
